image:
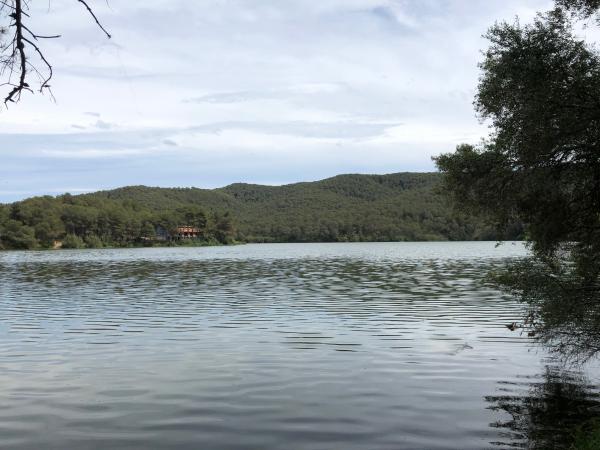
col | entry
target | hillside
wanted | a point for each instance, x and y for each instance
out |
(395, 207)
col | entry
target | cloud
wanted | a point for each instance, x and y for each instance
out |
(102, 125)
(286, 93)
(248, 90)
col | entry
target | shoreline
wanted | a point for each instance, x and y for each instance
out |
(234, 244)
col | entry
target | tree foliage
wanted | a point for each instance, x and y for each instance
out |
(580, 8)
(396, 207)
(540, 88)
(540, 91)
(95, 221)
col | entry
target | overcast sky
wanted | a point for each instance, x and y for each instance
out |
(209, 92)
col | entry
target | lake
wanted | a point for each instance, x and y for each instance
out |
(275, 346)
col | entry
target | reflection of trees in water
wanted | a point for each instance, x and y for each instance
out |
(564, 305)
(564, 316)
(545, 416)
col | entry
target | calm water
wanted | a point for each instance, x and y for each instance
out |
(284, 346)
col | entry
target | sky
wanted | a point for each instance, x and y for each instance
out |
(210, 92)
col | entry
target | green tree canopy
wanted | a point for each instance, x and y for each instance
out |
(540, 89)
(580, 8)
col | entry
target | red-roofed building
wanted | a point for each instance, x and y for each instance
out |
(186, 232)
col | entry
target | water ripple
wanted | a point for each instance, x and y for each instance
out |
(351, 346)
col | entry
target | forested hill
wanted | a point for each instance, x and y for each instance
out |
(395, 207)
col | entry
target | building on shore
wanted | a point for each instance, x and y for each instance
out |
(187, 232)
(179, 233)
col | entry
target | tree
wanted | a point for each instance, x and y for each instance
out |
(224, 228)
(540, 88)
(72, 241)
(21, 56)
(193, 216)
(43, 214)
(18, 236)
(580, 8)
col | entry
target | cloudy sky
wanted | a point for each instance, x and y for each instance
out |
(209, 92)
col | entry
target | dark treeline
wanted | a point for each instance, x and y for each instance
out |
(93, 222)
(396, 207)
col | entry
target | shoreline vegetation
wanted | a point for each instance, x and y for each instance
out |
(539, 88)
(189, 243)
(346, 208)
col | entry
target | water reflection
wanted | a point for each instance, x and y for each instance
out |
(544, 410)
(334, 346)
(563, 302)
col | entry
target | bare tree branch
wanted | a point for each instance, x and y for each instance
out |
(95, 18)
(38, 36)
(17, 64)
(18, 47)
